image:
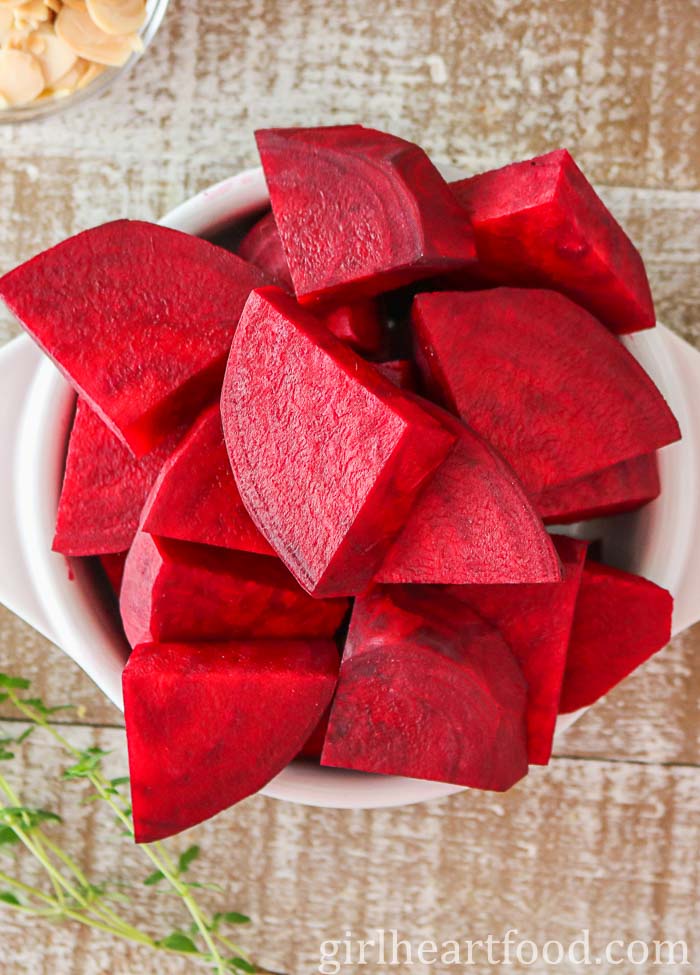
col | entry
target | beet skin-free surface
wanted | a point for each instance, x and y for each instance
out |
(209, 724)
(541, 380)
(139, 318)
(540, 223)
(327, 454)
(174, 591)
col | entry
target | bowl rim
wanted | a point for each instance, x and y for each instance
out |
(79, 621)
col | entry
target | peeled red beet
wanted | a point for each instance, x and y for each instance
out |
(357, 325)
(175, 591)
(104, 487)
(360, 211)
(209, 724)
(195, 498)
(472, 523)
(622, 487)
(113, 567)
(138, 317)
(620, 621)
(423, 697)
(327, 454)
(541, 380)
(398, 371)
(262, 246)
(535, 621)
(540, 223)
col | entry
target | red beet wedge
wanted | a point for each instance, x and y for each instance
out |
(209, 724)
(621, 620)
(138, 317)
(541, 380)
(195, 498)
(327, 454)
(472, 523)
(420, 697)
(262, 246)
(622, 487)
(535, 621)
(113, 567)
(540, 223)
(360, 211)
(356, 324)
(104, 487)
(175, 591)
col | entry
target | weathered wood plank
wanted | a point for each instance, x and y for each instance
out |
(582, 844)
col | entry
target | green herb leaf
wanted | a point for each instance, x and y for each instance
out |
(7, 897)
(233, 917)
(25, 734)
(18, 683)
(7, 836)
(154, 878)
(42, 709)
(177, 941)
(29, 818)
(241, 965)
(5, 756)
(3, 698)
(187, 858)
(89, 761)
(120, 780)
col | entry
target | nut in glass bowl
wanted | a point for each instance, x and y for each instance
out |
(57, 53)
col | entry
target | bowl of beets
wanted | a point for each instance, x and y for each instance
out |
(345, 476)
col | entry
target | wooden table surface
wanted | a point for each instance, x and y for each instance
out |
(607, 837)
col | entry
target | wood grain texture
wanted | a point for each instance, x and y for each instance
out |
(606, 839)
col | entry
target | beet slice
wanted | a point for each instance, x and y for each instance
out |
(113, 567)
(622, 487)
(360, 211)
(195, 498)
(540, 223)
(472, 523)
(539, 378)
(422, 697)
(209, 724)
(313, 746)
(400, 372)
(104, 487)
(262, 246)
(175, 591)
(327, 454)
(535, 621)
(138, 317)
(620, 621)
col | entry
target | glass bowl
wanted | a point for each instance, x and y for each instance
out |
(45, 107)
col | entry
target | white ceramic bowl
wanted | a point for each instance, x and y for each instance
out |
(661, 542)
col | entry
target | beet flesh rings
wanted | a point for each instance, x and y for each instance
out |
(209, 724)
(139, 319)
(421, 697)
(541, 380)
(540, 223)
(328, 455)
(360, 211)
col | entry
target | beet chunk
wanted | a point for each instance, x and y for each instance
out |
(472, 523)
(360, 211)
(113, 567)
(174, 591)
(327, 454)
(262, 246)
(313, 746)
(104, 487)
(622, 487)
(620, 621)
(357, 325)
(540, 223)
(423, 697)
(138, 317)
(539, 378)
(195, 498)
(535, 621)
(209, 724)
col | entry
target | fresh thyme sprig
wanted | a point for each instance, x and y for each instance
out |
(72, 896)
